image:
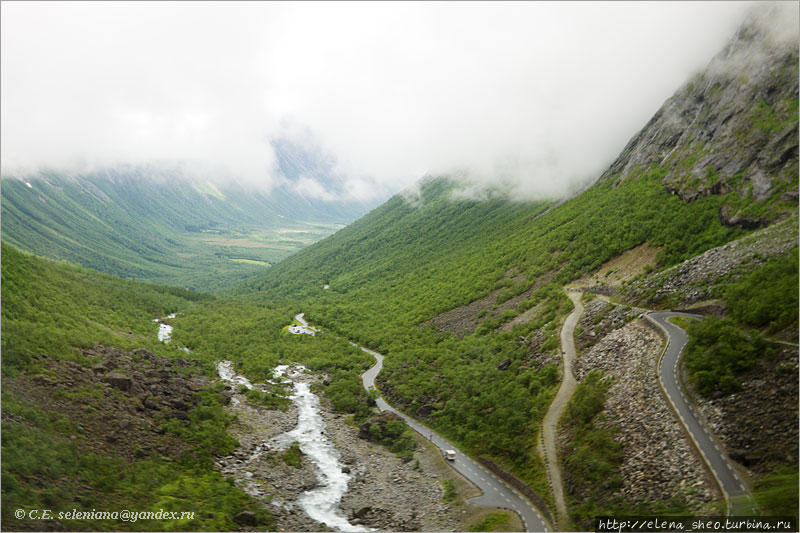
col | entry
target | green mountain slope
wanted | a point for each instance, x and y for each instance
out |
(76, 345)
(464, 296)
(98, 414)
(401, 277)
(157, 225)
(59, 309)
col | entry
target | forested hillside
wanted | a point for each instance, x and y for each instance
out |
(76, 348)
(501, 264)
(98, 413)
(162, 225)
(462, 291)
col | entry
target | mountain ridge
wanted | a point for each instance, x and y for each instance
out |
(161, 225)
(668, 190)
(731, 128)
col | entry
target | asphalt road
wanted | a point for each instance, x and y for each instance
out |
(496, 493)
(733, 488)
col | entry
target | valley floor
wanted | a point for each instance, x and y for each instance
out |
(383, 493)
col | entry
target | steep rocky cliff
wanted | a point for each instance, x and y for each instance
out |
(731, 128)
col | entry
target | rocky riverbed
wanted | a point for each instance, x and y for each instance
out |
(383, 492)
(658, 462)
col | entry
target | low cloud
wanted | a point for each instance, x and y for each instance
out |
(535, 96)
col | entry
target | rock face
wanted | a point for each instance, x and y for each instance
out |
(539, 358)
(658, 462)
(693, 280)
(119, 381)
(731, 128)
(504, 364)
(246, 518)
(463, 320)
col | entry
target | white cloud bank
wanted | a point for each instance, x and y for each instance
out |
(539, 95)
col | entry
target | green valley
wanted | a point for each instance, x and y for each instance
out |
(462, 287)
(158, 226)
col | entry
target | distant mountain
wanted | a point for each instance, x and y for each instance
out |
(165, 225)
(308, 171)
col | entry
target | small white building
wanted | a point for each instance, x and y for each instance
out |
(297, 329)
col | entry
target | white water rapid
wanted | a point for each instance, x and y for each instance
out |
(164, 330)
(321, 503)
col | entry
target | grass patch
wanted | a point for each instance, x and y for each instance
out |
(682, 321)
(776, 492)
(293, 456)
(450, 493)
(491, 522)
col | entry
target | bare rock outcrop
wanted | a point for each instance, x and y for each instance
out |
(600, 318)
(118, 412)
(731, 128)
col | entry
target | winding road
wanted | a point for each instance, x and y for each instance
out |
(733, 488)
(547, 446)
(496, 493)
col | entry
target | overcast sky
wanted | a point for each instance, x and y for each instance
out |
(541, 95)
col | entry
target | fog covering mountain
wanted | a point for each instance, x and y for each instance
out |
(395, 90)
(729, 134)
(730, 128)
(461, 287)
(173, 225)
(463, 292)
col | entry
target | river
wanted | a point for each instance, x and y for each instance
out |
(322, 502)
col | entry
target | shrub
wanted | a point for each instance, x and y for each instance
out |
(718, 352)
(450, 493)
